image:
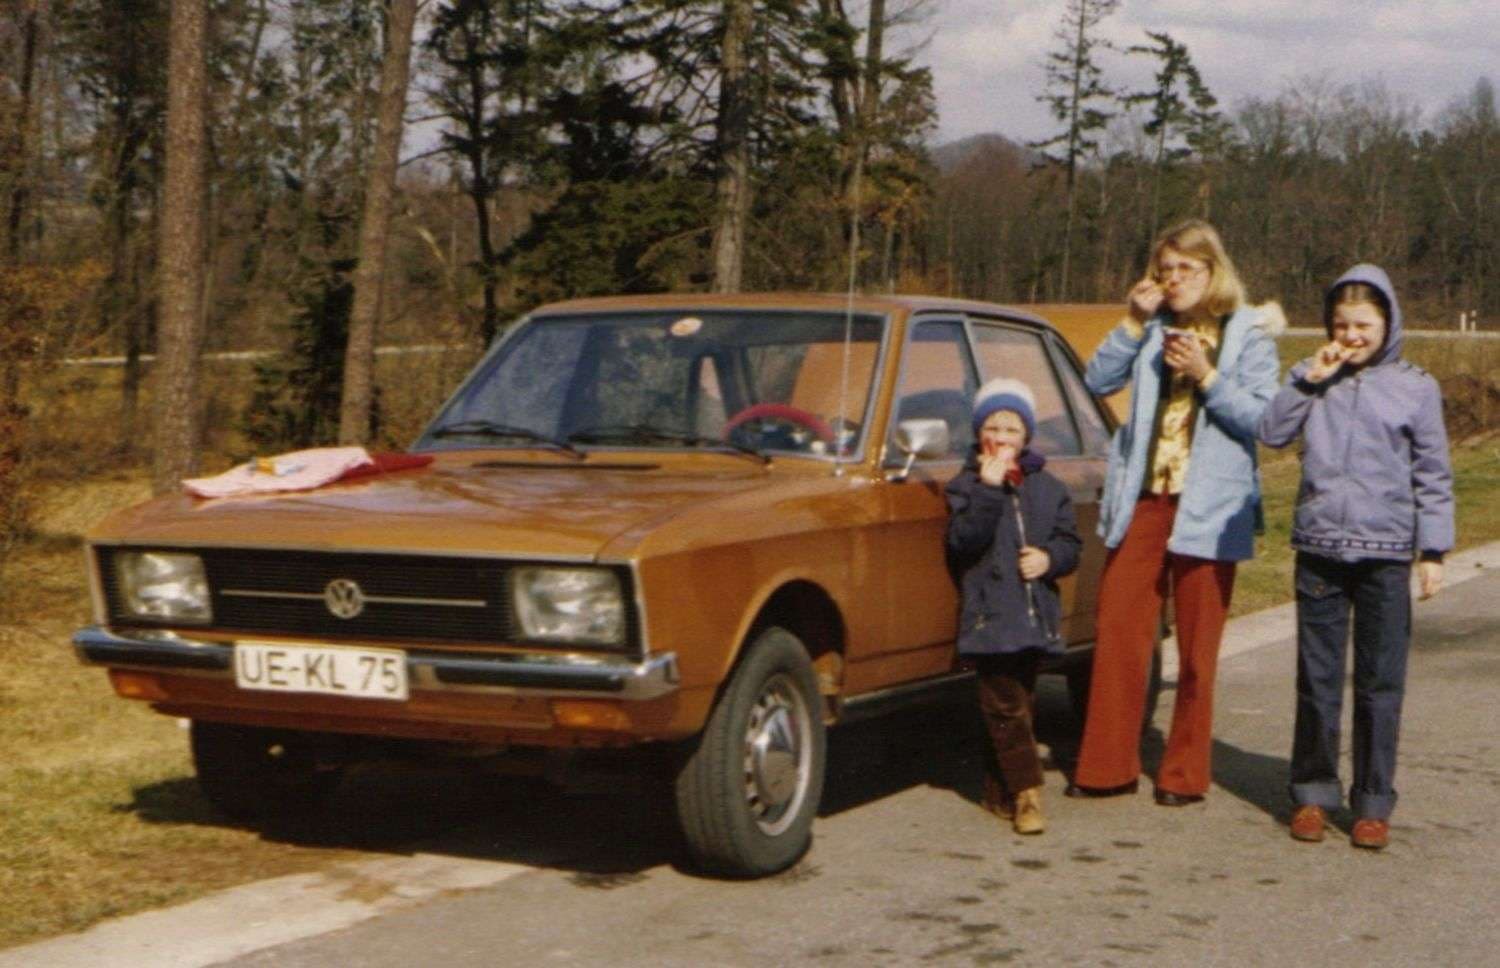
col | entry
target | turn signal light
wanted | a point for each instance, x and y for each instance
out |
(137, 685)
(589, 714)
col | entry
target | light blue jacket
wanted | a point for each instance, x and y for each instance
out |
(1376, 479)
(1219, 511)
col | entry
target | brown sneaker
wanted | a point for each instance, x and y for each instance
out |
(1029, 818)
(1308, 822)
(1370, 833)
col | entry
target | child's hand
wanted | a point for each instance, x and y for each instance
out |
(1430, 575)
(1326, 362)
(1034, 563)
(994, 463)
(1145, 299)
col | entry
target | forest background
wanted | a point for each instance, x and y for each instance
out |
(556, 148)
(182, 181)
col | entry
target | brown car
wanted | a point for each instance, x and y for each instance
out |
(711, 525)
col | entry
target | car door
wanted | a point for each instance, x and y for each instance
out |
(936, 379)
(1070, 433)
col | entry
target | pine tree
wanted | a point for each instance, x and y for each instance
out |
(1075, 93)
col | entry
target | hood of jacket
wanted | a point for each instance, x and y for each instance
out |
(1371, 275)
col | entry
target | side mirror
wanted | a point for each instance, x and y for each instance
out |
(924, 439)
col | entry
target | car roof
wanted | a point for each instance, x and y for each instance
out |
(886, 304)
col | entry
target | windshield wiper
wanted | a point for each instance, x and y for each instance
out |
(491, 428)
(619, 432)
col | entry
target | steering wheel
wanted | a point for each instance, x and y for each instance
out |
(784, 413)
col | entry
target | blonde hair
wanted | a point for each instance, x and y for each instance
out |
(1196, 239)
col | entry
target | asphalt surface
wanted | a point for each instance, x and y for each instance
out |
(906, 869)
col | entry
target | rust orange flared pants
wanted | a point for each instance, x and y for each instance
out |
(1131, 591)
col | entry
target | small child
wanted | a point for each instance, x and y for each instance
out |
(1011, 535)
(1376, 492)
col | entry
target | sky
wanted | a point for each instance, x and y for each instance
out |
(986, 55)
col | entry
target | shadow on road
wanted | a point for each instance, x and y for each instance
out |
(606, 828)
(1255, 778)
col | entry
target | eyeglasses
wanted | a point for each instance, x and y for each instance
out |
(1179, 270)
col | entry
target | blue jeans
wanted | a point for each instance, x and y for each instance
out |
(1378, 593)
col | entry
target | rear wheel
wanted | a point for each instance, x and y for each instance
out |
(749, 789)
(252, 772)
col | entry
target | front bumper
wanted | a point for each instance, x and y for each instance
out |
(532, 675)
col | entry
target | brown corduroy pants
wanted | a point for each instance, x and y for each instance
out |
(1131, 592)
(1007, 685)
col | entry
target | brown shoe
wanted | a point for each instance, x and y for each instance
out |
(1308, 822)
(1029, 818)
(1370, 833)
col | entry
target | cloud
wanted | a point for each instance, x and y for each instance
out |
(986, 55)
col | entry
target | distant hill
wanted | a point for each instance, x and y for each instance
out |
(955, 154)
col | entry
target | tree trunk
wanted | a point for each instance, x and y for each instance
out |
(359, 356)
(180, 270)
(20, 161)
(734, 149)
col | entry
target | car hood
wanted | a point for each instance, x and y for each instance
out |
(458, 504)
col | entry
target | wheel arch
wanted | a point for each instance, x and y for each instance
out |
(805, 609)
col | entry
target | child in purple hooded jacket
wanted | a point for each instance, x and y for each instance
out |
(1376, 493)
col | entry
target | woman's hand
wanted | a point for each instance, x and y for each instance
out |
(1145, 299)
(1185, 354)
(1034, 563)
(1326, 361)
(1430, 575)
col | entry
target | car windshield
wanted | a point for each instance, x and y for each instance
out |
(750, 381)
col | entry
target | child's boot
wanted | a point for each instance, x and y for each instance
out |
(1029, 818)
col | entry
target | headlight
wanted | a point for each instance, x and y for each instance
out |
(580, 605)
(159, 585)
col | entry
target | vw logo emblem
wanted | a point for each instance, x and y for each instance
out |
(344, 598)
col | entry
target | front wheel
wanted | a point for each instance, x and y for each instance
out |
(749, 789)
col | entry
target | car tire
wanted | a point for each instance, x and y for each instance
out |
(748, 788)
(1080, 675)
(253, 773)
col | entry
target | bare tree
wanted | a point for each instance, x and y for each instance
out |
(359, 357)
(20, 147)
(180, 270)
(733, 148)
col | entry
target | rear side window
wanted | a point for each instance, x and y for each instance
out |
(1085, 409)
(1021, 354)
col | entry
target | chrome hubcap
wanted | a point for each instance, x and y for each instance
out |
(778, 750)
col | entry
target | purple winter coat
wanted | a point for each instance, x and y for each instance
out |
(1376, 482)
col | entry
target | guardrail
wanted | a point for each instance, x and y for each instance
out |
(241, 355)
(1410, 333)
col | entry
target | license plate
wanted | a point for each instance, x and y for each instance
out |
(354, 673)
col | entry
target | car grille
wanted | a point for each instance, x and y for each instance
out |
(405, 597)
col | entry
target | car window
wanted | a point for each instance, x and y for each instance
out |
(771, 380)
(1020, 354)
(938, 381)
(1085, 408)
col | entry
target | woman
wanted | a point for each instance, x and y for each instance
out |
(1181, 502)
(1011, 535)
(1377, 491)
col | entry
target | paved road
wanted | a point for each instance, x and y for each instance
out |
(906, 869)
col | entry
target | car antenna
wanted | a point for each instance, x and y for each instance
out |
(841, 436)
